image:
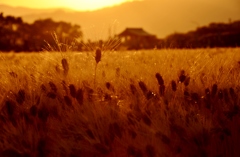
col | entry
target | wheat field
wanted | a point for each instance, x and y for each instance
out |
(146, 103)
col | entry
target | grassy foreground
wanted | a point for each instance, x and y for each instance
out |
(158, 103)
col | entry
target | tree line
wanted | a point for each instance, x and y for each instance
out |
(16, 35)
(213, 35)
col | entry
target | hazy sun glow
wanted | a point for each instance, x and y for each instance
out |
(72, 4)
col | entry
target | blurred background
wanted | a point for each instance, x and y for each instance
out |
(29, 25)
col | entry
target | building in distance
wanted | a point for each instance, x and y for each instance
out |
(137, 38)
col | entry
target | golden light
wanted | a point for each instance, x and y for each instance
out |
(95, 4)
(81, 5)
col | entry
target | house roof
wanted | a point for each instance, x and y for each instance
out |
(135, 31)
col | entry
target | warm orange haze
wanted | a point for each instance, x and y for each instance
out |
(80, 5)
(164, 82)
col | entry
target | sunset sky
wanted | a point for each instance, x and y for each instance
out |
(71, 4)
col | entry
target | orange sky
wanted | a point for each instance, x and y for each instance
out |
(71, 4)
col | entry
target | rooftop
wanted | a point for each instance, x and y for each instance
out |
(135, 31)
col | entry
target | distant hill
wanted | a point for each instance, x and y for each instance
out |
(213, 35)
(22, 11)
(156, 17)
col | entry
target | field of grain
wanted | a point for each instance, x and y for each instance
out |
(146, 103)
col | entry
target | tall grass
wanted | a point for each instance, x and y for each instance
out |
(144, 103)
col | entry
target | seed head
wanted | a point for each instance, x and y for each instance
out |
(43, 114)
(214, 90)
(233, 94)
(53, 86)
(98, 55)
(207, 100)
(146, 120)
(187, 80)
(26, 117)
(43, 88)
(68, 101)
(149, 95)
(90, 134)
(207, 93)
(133, 89)
(109, 86)
(160, 79)
(233, 112)
(13, 74)
(143, 87)
(11, 107)
(195, 97)
(51, 95)
(20, 96)
(226, 96)
(182, 76)
(65, 66)
(107, 97)
(72, 90)
(33, 110)
(79, 96)
(220, 94)
(90, 94)
(174, 85)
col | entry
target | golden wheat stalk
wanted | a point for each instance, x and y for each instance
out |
(98, 55)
